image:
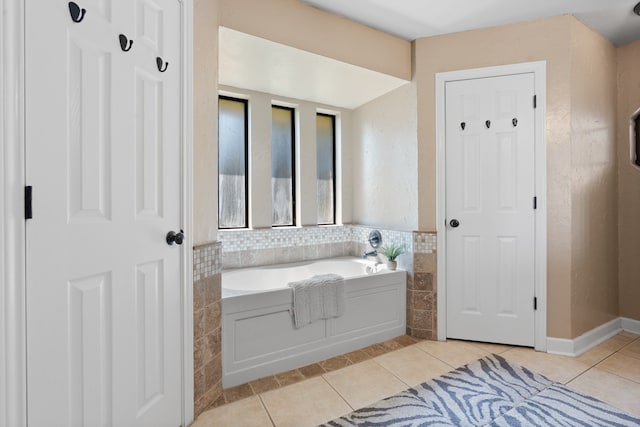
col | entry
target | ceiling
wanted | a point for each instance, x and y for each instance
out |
(414, 19)
(249, 62)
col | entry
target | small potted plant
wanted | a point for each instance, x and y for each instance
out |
(392, 252)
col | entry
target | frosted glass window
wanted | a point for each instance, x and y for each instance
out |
(282, 166)
(326, 143)
(232, 163)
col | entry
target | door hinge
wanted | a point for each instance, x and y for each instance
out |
(535, 202)
(535, 303)
(28, 206)
(535, 101)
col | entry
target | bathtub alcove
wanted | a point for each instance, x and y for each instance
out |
(258, 337)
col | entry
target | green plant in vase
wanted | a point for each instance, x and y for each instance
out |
(392, 252)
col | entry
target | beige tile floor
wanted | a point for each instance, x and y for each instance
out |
(610, 372)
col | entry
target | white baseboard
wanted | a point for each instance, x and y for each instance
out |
(631, 325)
(588, 340)
(561, 346)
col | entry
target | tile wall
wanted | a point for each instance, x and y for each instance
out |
(207, 351)
(421, 290)
(251, 248)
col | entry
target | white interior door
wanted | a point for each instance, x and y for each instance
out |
(104, 159)
(490, 189)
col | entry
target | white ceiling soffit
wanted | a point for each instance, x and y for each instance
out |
(414, 19)
(253, 63)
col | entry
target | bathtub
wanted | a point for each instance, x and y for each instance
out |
(258, 337)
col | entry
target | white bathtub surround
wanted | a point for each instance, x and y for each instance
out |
(258, 334)
(318, 298)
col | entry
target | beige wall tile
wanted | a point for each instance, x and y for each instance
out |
(199, 328)
(312, 370)
(423, 282)
(358, 356)
(237, 393)
(264, 384)
(335, 363)
(289, 377)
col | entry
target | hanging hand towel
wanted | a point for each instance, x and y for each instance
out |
(320, 297)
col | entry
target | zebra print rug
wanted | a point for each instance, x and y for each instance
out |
(488, 392)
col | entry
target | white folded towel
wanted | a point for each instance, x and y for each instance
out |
(321, 297)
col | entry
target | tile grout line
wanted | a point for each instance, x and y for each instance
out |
(611, 355)
(601, 361)
(392, 374)
(436, 357)
(337, 392)
(577, 375)
(615, 374)
(264, 406)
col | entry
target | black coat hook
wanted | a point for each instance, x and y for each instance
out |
(488, 123)
(514, 122)
(77, 14)
(125, 43)
(463, 125)
(159, 63)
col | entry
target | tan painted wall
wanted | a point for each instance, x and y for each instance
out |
(385, 166)
(573, 193)
(299, 25)
(205, 126)
(548, 40)
(594, 240)
(628, 183)
(580, 113)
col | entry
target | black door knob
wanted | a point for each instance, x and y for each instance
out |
(454, 223)
(173, 237)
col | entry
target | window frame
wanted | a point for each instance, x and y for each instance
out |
(335, 177)
(292, 110)
(245, 102)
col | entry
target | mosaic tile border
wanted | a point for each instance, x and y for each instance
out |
(360, 234)
(424, 242)
(207, 260)
(248, 240)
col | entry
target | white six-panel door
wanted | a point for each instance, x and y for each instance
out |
(104, 159)
(490, 187)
